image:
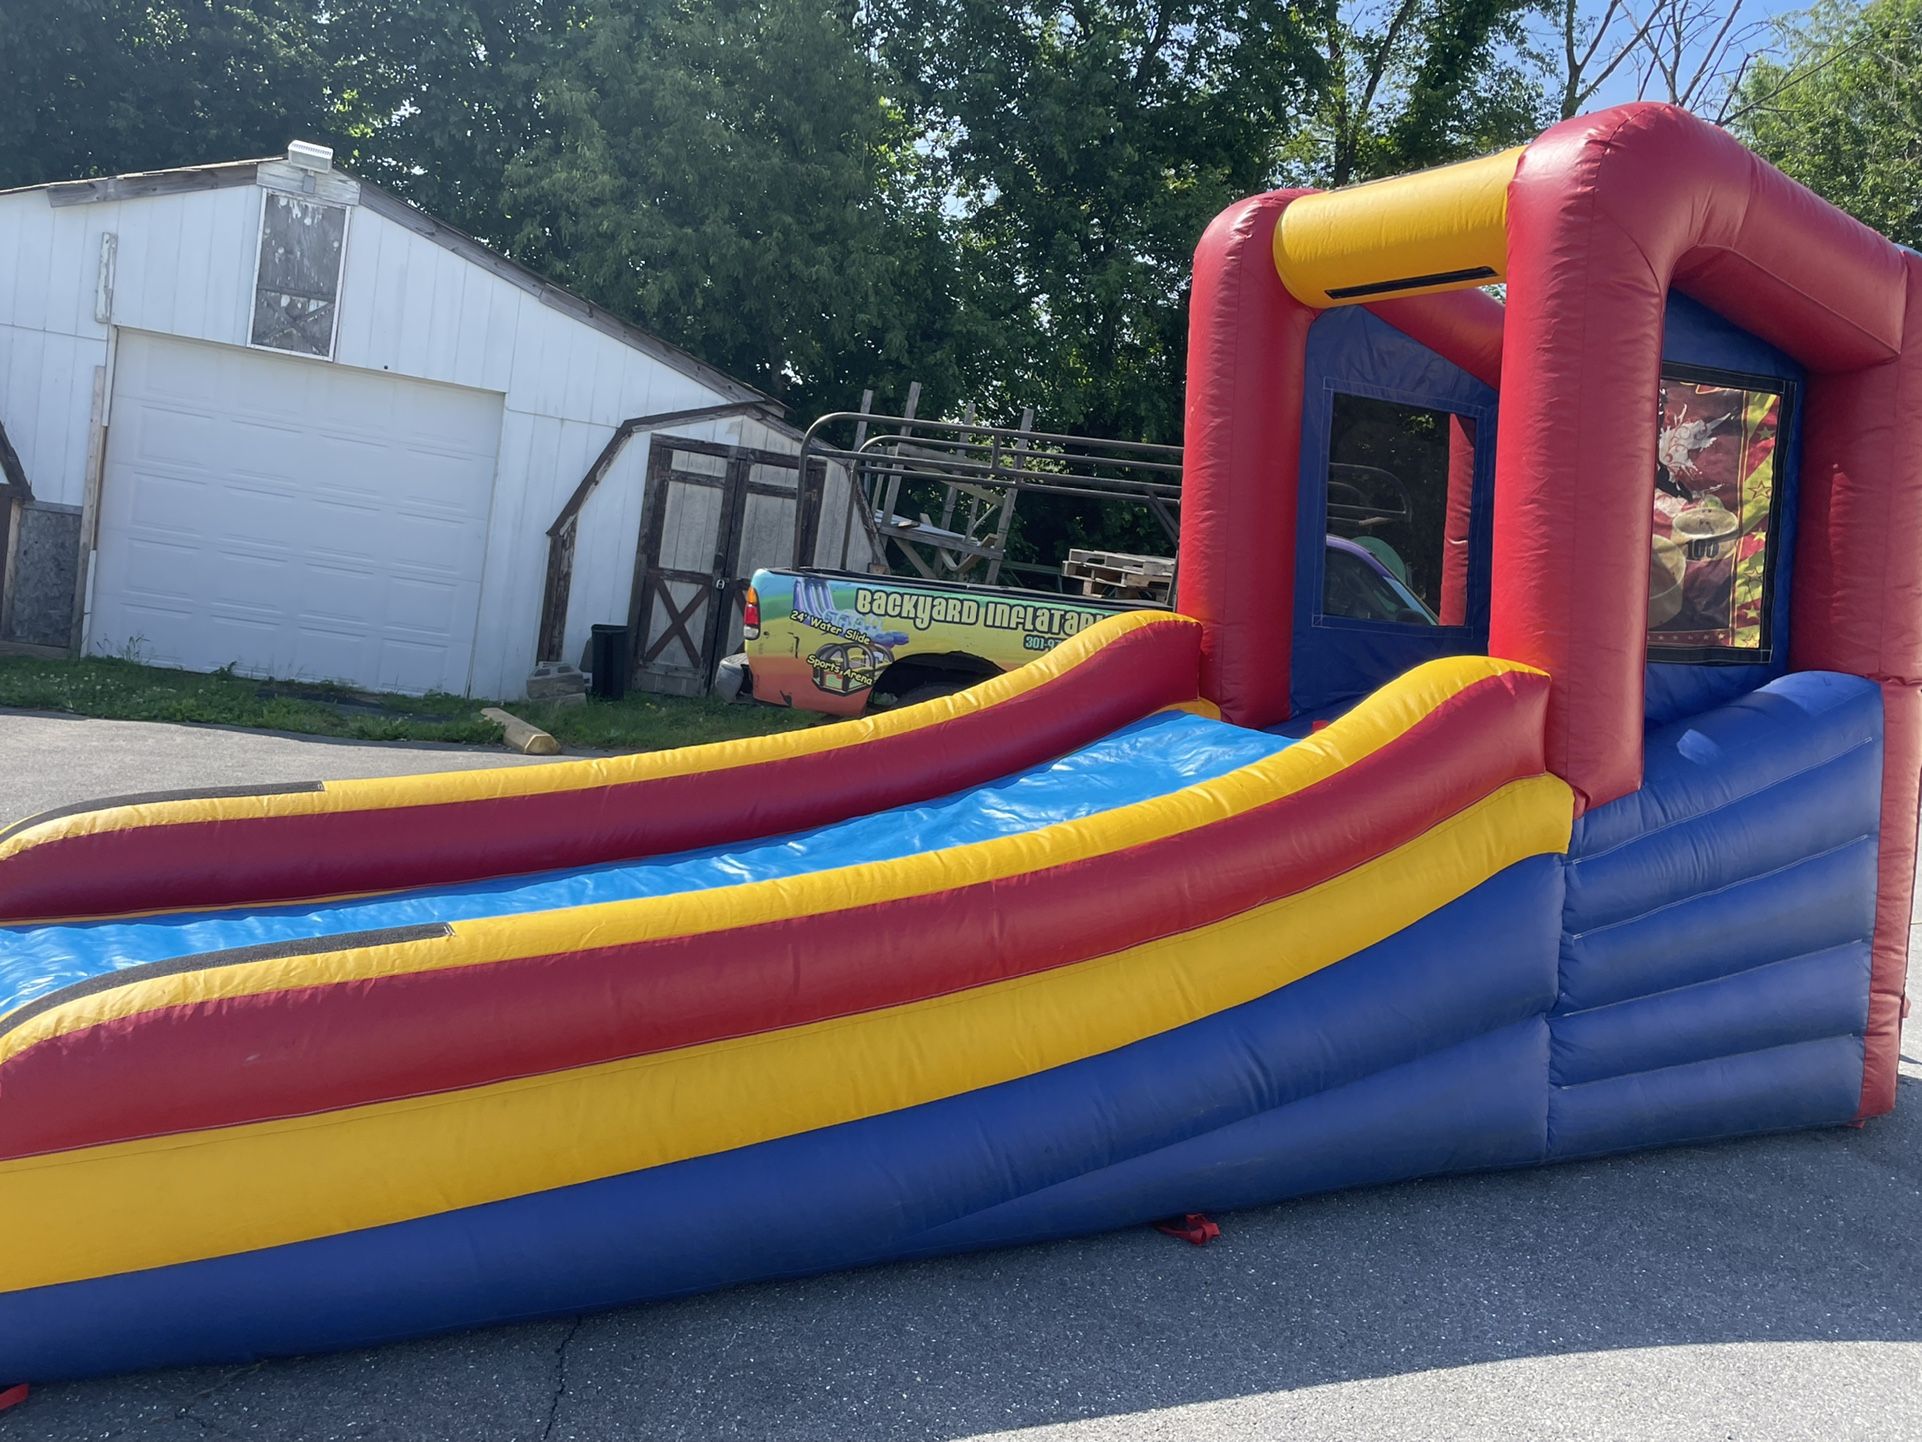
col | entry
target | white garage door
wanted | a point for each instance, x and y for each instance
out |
(292, 518)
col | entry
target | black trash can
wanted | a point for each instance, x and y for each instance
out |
(607, 660)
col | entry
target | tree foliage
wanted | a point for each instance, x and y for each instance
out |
(733, 173)
(1411, 83)
(442, 95)
(1842, 112)
(999, 200)
(1084, 147)
(103, 86)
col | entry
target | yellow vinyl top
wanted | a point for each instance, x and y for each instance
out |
(1440, 229)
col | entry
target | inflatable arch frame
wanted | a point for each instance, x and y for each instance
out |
(1590, 226)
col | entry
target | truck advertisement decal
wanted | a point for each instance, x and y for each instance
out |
(823, 641)
(1042, 624)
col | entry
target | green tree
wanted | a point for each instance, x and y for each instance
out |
(735, 174)
(1842, 112)
(1412, 84)
(445, 95)
(1089, 142)
(1086, 145)
(1083, 146)
(101, 86)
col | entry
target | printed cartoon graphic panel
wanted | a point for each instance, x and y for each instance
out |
(1716, 490)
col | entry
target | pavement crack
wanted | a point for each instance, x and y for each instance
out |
(185, 1412)
(560, 1377)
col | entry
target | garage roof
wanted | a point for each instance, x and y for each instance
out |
(139, 185)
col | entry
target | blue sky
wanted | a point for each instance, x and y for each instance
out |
(1621, 85)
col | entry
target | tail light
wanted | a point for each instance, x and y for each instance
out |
(751, 614)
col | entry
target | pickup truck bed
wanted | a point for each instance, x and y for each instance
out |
(836, 641)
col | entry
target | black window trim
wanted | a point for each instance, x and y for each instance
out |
(1482, 416)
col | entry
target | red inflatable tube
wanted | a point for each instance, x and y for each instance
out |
(1464, 327)
(1894, 895)
(1858, 549)
(1247, 341)
(1242, 451)
(1459, 522)
(1858, 608)
(1604, 213)
(266, 859)
(318, 1048)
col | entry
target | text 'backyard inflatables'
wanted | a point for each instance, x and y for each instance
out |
(1597, 834)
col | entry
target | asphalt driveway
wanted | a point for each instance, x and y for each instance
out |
(1760, 1289)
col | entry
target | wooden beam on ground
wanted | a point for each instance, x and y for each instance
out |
(521, 736)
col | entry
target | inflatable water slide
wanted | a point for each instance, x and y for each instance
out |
(1608, 845)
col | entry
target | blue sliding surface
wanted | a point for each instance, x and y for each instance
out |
(1139, 762)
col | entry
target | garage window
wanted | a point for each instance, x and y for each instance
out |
(297, 282)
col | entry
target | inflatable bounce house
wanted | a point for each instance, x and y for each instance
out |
(1606, 844)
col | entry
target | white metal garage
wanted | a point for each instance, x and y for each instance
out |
(274, 417)
(292, 518)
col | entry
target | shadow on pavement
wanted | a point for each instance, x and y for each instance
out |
(1811, 1236)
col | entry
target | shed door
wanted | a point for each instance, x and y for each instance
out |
(712, 511)
(292, 518)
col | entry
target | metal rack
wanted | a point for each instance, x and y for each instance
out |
(940, 496)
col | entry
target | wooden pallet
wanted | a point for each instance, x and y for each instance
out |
(1117, 575)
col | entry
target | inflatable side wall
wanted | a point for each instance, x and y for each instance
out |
(197, 849)
(216, 1129)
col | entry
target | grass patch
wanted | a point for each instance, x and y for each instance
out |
(655, 723)
(122, 690)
